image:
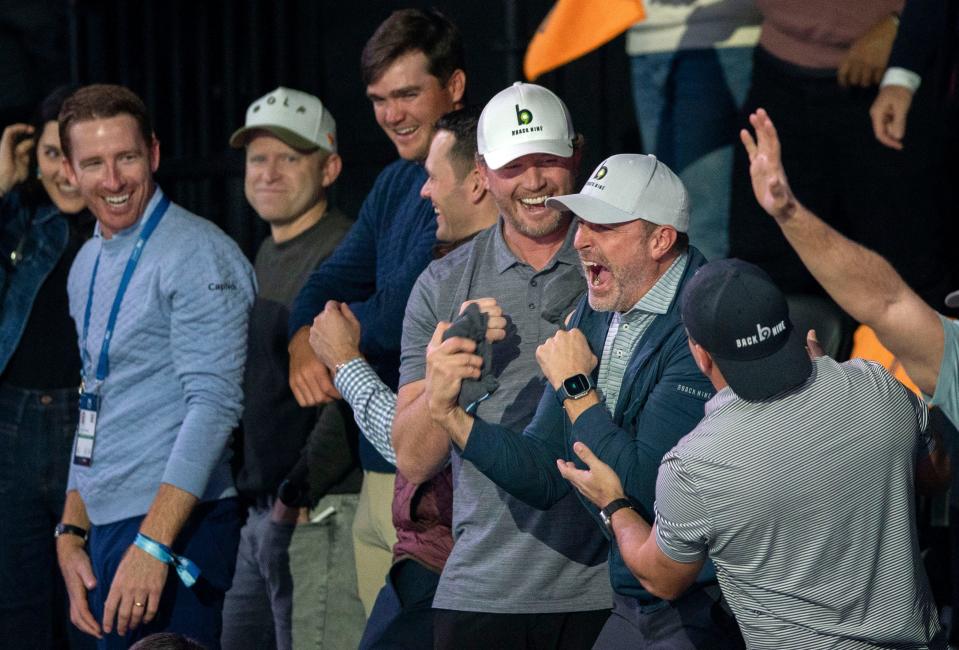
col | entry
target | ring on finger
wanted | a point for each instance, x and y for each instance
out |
(138, 604)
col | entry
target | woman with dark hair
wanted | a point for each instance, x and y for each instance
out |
(43, 223)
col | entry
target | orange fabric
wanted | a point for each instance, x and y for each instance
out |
(573, 28)
(865, 345)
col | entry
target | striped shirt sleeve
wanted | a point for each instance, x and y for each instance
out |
(374, 404)
(682, 523)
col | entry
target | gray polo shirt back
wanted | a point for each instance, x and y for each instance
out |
(805, 503)
(508, 557)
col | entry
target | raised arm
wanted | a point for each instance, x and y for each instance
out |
(860, 281)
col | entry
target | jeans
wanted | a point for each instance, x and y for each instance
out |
(36, 438)
(402, 617)
(687, 105)
(259, 605)
(327, 612)
(210, 538)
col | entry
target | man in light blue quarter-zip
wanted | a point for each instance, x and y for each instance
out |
(152, 294)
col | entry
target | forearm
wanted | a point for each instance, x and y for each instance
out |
(374, 404)
(422, 448)
(862, 282)
(74, 511)
(520, 464)
(634, 538)
(168, 513)
(870, 290)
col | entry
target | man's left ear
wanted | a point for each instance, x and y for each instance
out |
(662, 241)
(456, 86)
(475, 185)
(332, 167)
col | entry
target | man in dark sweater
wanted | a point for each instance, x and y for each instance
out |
(291, 160)
(413, 70)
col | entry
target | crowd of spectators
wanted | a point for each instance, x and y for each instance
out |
(508, 405)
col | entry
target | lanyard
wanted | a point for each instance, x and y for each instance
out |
(103, 366)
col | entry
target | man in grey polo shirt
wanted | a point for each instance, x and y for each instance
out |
(798, 484)
(632, 407)
(517, 577)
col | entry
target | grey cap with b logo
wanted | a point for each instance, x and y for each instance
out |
(626, 187)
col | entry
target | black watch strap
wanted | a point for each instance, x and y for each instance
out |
(575, 387)
(70, 529)
(606, 514)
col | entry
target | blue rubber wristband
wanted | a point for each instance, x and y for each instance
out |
(185, 568)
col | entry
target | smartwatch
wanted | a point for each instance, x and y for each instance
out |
(606, 514)
(574, 387)
(69, 529)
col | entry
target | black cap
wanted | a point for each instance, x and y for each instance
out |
(741, 318)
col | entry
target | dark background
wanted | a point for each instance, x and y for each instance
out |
(198, 64)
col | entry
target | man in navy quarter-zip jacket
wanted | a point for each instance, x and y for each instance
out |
(413, 70)
(620, 379)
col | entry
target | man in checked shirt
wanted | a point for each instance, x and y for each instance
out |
(463, 207)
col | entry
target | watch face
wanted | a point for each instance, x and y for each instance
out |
(576, 385)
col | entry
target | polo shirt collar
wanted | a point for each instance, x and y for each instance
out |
(660, 296)
(505, 259)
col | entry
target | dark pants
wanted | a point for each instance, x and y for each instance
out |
(402, 615)
(890, 201)
(258, 607)
(36, 437)
(210, 538)
(696, 621)
(455, 630)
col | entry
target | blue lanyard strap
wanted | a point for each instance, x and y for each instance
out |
(186, 569)
(103, 366)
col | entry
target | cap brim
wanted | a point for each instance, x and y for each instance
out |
(498, 158)
(952, 300)
(240, 137)
(760, 379)
(590, 208)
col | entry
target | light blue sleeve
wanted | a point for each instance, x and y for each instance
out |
(210, 307)
(947, 387)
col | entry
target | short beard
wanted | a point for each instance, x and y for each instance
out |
(541, 229)
(617, 300)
